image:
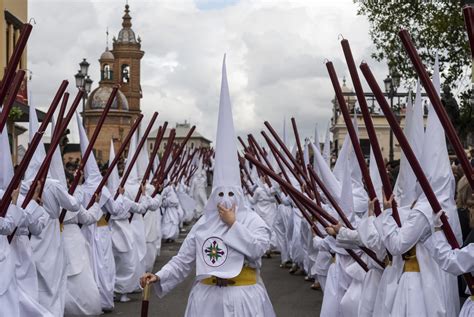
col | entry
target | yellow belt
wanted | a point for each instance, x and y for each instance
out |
(248, 276)
(411, 262)
(102, 222)
(61, 227)
(387, 261)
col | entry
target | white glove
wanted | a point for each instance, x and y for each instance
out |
(437, 219)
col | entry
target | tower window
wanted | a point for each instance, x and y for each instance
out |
(107, 73)
(125, 73)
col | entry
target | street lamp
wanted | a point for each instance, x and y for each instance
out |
(392, 82)
(83, 81)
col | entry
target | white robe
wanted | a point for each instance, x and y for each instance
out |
(456, 262)
(151, 232)
(127, 261)
(187, 203)
(248, 235)
(9, 295)
(264, 204)
(296, 249)
(100, 242)
(198, 192)
(48, 248)
(370, 238)
(26, 275)
(336, 284)
(82, 296)
(415, 294)
(171, 214)
(284, 213)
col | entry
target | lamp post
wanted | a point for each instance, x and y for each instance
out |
(83, 81)
(392, 82)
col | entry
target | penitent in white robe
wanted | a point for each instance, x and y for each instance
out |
(415, 295)
(454, 261)
(152, 234)
(264, 204)
(127, 261)
(9, 295)
(48, 248)
(198, 192)
(99, 238)
(248, 235)
(26, 275)
(280, 227)
(171, 213)
(82, 296)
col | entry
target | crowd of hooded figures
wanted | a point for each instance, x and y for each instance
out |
(83, 265)
(418, 275)
(76, 252)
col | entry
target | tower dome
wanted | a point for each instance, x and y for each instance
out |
(99, 97)
(107, 56)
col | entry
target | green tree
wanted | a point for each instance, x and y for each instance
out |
(435, 26)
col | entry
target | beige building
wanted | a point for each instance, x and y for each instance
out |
(382, 128)
(197, 140)
(15, 14)
(119, 66)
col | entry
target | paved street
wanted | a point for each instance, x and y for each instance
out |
(290, 295)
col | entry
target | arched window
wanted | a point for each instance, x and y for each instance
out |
(125, 73)
(107, 72)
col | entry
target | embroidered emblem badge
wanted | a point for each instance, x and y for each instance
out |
(214, 251)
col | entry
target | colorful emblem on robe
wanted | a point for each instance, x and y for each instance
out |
(214, 251)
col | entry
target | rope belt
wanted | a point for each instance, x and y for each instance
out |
(411, 262)
(248, 276)
(102, 222)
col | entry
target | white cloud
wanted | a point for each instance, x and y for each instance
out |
(275, 54)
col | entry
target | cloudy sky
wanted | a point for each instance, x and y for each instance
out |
(275, 55)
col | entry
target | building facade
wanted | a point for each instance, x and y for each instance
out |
(119, 66)
(382, 128)
(15, 14)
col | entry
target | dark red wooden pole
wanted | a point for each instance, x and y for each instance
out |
(374, 143)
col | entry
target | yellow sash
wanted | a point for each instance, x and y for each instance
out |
(102, 222)
(411, 262)
(248, 276)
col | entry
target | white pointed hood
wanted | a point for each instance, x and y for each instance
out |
(114, 179)
(375, 176)
(226, 166)
(316, 137)
(142, 161)
(326, 175)
(436, 165)
(56, 168)
(38, 156)
(406, 189)
(92, 175)
(133, 178)
(327, 147)
(226, 190)
(6, 164)
(346, 199)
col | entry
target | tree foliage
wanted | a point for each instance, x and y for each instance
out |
(435, 26)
